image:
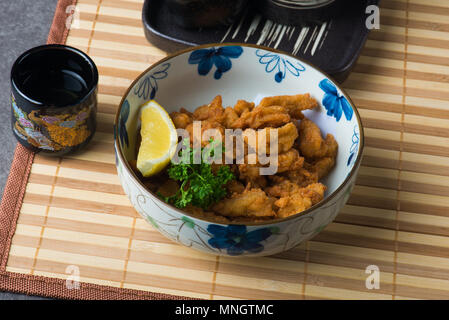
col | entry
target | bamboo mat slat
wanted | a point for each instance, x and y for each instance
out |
(75, 213)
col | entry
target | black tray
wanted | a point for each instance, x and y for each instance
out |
(333, 45)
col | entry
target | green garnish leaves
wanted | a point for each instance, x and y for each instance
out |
(200, 186)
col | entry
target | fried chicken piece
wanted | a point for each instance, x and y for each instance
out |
(286, 136)
(211, 124)
(230, 117)
(315, 191)
(205, 125)
(311, 143)
(243, 106)
(262, 117)
(252, 202)
(323, 166)
(300, 200)
(213, 111)
(250, 173)
(332, 146)
(181, 119)
(294, 104)
(302, 177)
(282, 188)
(235, 186)
(187, 112)
(290, 160)
(275, 179)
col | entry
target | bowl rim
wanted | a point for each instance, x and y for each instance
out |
(348, 178)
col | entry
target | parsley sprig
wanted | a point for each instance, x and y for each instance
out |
(200, 185)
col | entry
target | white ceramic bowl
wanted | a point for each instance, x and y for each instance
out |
(193, 77)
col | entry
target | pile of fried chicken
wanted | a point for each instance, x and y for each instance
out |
(304, 158)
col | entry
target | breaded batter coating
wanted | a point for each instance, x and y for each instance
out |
(262, 117)
(205, 125)
(286, 136)
(230, 118)
(212, 111)
(302, 177)
(300, 200)
(288, 161)
(252, 202)
(181, 120)
(294, 104)
(323, 166)
(243, 106)
(234, 187)
(312, 145)
(250, 173)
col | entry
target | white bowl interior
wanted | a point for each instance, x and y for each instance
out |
(176, 83)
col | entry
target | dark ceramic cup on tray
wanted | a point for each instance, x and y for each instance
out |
(297, 12)
(54, 99)
(205, 13)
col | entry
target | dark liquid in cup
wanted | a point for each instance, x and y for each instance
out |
(55, 87)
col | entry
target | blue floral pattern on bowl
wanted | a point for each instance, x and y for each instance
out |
(335, 103)
(274, 62)
(236, 240)
(150, 81)
(122, 132)
(220, 57)
(354, 146)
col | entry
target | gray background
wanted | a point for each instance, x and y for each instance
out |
(23, 24)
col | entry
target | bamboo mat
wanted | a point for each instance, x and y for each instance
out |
(74, 211)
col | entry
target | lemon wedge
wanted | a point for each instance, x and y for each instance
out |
(159, 139)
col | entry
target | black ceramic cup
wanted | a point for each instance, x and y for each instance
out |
(54, 99)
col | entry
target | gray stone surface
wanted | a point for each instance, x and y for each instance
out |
(23, 24)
